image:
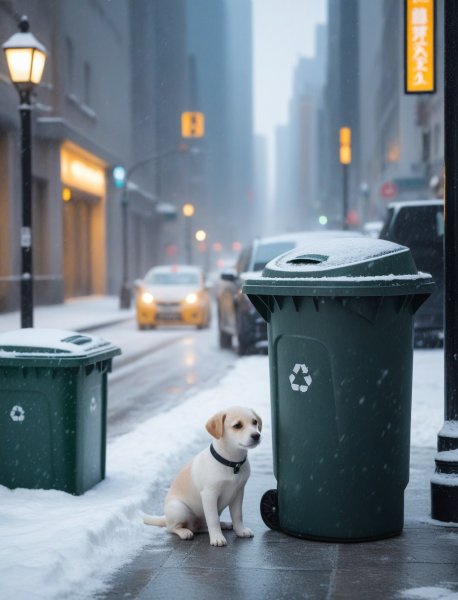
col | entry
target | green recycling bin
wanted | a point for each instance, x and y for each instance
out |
(340, 328)
(53, 402)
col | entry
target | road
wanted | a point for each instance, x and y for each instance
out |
(158, 369)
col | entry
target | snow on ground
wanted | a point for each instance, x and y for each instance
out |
(427, 397)
(52, 543)
(430, 593)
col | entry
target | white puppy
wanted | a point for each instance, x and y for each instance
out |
(213, 480)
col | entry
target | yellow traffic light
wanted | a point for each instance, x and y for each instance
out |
(345, 145)
(192, 124)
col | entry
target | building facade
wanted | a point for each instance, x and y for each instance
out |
(74, 147)
(117, 79)
(221, 181)
(397, 138)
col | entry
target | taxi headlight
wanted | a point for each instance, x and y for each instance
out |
(147, 298)
(191, 298)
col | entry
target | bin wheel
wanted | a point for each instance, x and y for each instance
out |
(269, 510)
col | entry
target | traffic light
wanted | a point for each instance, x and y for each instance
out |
(119, 176)
(192, 124)
(345, 145)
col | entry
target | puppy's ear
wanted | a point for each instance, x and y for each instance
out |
(258, 419)
(215, 425)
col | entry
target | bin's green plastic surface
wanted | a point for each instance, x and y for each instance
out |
(53, 396)
(340, 327)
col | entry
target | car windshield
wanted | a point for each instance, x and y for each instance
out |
(266, 252)
(424, 225)
(172, 278)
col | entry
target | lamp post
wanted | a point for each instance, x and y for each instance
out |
(201, 237)
(444, 484)
(26, 58)
(125, 292)
(188, 211)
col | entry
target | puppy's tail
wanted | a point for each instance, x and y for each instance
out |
(153, 520)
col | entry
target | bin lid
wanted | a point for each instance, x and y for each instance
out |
(352, 266)
(47, 345)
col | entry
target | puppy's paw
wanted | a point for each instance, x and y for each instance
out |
(184, 534)
(218, 539)
(244, 532)
(226, 525)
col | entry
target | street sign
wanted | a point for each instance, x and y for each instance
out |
(192, 124)
(388, 190)
(419, 47)
(166, 210)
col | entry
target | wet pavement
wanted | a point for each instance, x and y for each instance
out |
(420, 563)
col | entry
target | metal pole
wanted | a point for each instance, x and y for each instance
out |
(444, 485)
(125, 292)
(124, 299)
(345, 195)
(26, 230)
(188, 240)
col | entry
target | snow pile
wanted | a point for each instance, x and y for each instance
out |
(430, 593)
(52, 543)
(42, 342)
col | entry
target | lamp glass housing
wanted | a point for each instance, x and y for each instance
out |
(25, 65)
(26, 59)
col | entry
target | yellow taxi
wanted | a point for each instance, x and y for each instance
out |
(173, 295)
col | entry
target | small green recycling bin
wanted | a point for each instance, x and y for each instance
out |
(340, 327)
(53, 402)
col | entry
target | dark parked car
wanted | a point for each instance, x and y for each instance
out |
(419, 225)
(237, 318)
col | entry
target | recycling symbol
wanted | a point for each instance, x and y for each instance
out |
(93, 405)
(17, 413)
(305, 377)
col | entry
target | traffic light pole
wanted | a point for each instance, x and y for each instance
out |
(344, 196)
(444, 484)
(125, 294)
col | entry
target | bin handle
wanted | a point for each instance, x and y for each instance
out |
(308, 259)
(79, 340)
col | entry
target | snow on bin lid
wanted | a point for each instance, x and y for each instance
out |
(354, 265)
(44, 343)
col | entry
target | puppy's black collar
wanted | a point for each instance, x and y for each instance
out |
(228, 463)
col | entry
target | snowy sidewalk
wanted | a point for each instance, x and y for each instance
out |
(70, 546)
(78, 314)
(57, 546)
(422, 563)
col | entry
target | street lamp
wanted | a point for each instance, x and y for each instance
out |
(201, 237)
(188, 211)
(26, 59)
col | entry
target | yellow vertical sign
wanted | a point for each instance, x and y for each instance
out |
(420, 76)
(192, 124)
(345, 145)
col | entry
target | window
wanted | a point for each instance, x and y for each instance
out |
(172, 278)
(87, 84)
(70, 63)
(419, 225)
(266, 252)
